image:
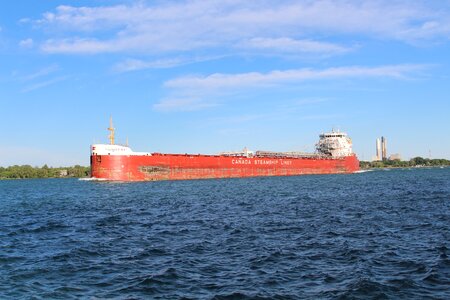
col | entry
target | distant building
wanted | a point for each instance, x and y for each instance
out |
(63, 173)
(395, 156)
(383, 148)
(378, 150)
(381, 151)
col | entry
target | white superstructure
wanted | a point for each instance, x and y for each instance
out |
(335, 144)
(108, 149)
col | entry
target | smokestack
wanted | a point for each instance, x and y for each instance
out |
(378, 149)
(383, 148)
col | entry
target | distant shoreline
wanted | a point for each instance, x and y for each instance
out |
(29, 172)
(65, 177)
(416, 162)
(415, 167)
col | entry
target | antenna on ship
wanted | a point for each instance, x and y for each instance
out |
(111, 129)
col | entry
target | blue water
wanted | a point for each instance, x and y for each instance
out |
(380, 234)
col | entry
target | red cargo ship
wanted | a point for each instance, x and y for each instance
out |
(118, 162)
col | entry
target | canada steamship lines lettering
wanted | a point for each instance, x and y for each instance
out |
(242, 161)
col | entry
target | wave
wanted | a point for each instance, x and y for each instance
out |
(91, 179)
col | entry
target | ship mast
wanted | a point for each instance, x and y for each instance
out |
(111, 129)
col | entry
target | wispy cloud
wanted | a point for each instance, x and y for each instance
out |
(27, 43)
(219, 80)
(289, 45)
(40, 73)
(209, 88)
(179, 26)
(43, 84)
(137, 64)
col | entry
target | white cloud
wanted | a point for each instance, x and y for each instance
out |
(73, 46)
(208, 89)
(137, 64)
(218, 80)
(40, 73)
(27, 43)
(283, 25)
(294, 46)
(43, 84)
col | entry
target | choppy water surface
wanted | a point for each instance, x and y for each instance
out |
(380, 234)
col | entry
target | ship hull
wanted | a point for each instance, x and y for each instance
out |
(184, 166)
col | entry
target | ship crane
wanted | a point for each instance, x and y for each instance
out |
(111, 130)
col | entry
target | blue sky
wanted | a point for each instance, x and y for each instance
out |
(211, 76)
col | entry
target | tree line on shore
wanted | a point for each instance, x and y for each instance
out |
(413, 162)
(27, 171)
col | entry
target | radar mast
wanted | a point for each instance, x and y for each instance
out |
(111, 130)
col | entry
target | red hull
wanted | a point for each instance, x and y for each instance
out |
(179, 166)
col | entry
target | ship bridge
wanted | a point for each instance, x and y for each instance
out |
(333, 135)
(334, 144)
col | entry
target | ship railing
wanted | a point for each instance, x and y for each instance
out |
(236, 154)
(292, 154)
